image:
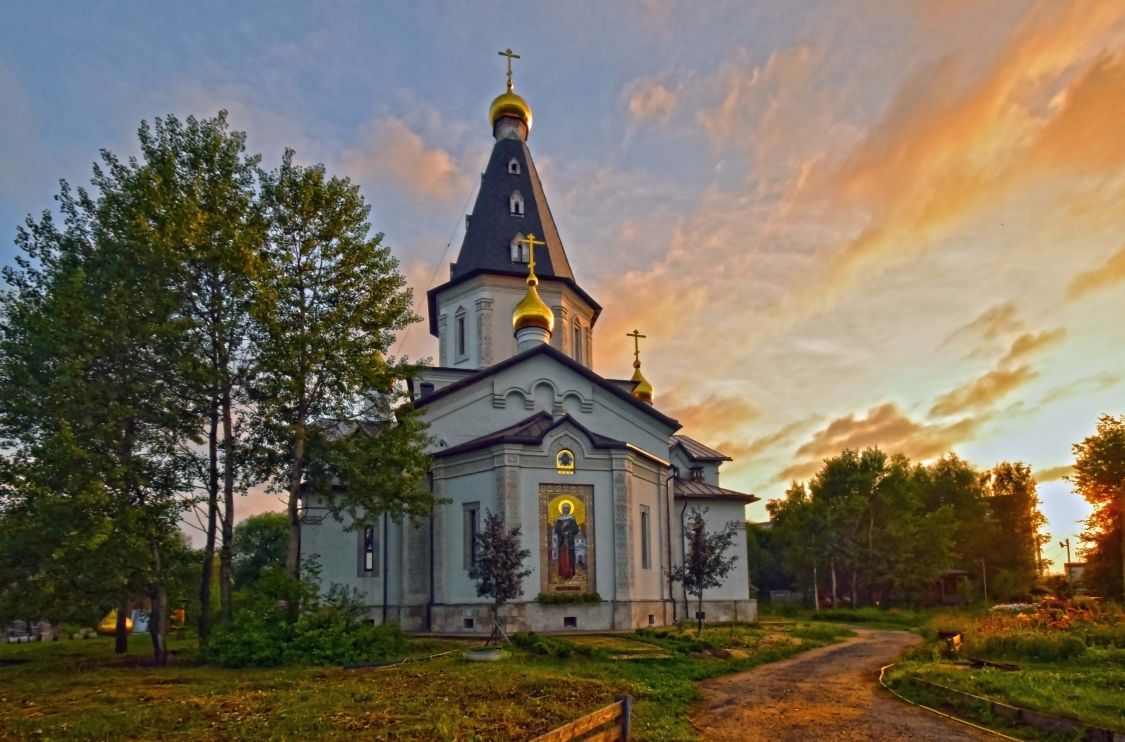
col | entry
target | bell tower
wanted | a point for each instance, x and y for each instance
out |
(469, 313)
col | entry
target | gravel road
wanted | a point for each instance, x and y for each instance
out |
(831, 693)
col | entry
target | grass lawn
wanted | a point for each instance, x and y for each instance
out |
(80, 689)
(1090, 689)
(1073, 668)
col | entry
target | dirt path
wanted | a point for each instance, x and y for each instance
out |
(831, 693)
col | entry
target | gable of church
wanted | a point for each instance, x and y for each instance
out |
(548, 381)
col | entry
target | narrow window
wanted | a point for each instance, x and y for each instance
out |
(646, 547)
(515, 204)
(514, 166)
(369, 551)
(459, 334)
(652, 619)
(697, 473)
(519, 249)
(470, 512)
(578, 342)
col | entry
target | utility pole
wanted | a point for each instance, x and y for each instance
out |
(984, 579)
(1066, 544)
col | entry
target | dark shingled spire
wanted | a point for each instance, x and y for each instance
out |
(488, 236)
(491, 227)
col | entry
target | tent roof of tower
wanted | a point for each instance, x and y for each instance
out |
(491, 227)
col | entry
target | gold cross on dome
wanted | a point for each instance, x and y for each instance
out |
(531, 242)
(636, 335)
(510, 55)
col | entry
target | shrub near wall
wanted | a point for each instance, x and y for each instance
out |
(1031, 645)
(327, 630)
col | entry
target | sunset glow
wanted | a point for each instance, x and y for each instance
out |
(839, 224)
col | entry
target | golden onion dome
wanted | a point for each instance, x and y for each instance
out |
(532, 312)
(642, 390)
(509, 104)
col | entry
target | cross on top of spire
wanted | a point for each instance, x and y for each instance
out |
(636, 335)
(510, 55)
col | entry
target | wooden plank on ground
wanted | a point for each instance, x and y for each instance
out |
(587, 723)
(613, 734)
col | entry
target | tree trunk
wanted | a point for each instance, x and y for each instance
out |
(204, 623)
(293, 553)
(854, 601)
(835, 598)
(158, 617)
(699, 612)
(815, 589)
(121, 633)
(226, 556)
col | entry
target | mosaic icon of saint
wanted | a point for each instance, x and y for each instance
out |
(566, 529)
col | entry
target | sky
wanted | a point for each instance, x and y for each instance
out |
(839, 224)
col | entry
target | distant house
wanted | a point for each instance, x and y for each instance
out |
(1074, 571)
(948, 589)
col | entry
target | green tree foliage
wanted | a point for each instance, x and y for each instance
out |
(887, 528)
(186, 291)
(498, 568)
(706, 563)
(260, 541)
(1099, 476)
(1016, 523)
(98, 408)
(199, 208)
(328, 302)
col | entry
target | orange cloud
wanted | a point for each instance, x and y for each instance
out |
(714, 415)
(1031, 342)
(982, 392)
(1108, 274)
(1053, 473)
(1088, 384)
(950, 144)
(991, 324)
(744, 451)
(1085, 133)
(884, 426)
(395, 153)
(650, 100)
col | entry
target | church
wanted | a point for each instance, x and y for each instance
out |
(591, 470)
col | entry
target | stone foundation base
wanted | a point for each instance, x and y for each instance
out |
(476, 618)
(744, 611)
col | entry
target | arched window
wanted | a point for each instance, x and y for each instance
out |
(515, 204)
(519, 249)
(577, 341)
(514, 166)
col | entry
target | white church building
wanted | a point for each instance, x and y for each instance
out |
(591, 470)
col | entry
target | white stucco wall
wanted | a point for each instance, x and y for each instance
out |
(541, 383)
(488, 302)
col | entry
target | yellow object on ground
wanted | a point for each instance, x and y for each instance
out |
(108, 625)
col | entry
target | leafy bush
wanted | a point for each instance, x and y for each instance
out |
(1105, 636)
(678, 640)
(554, 646)
(1031, 645)
(327, 629)
(566, 599)
(893, 616)
(819, 633)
